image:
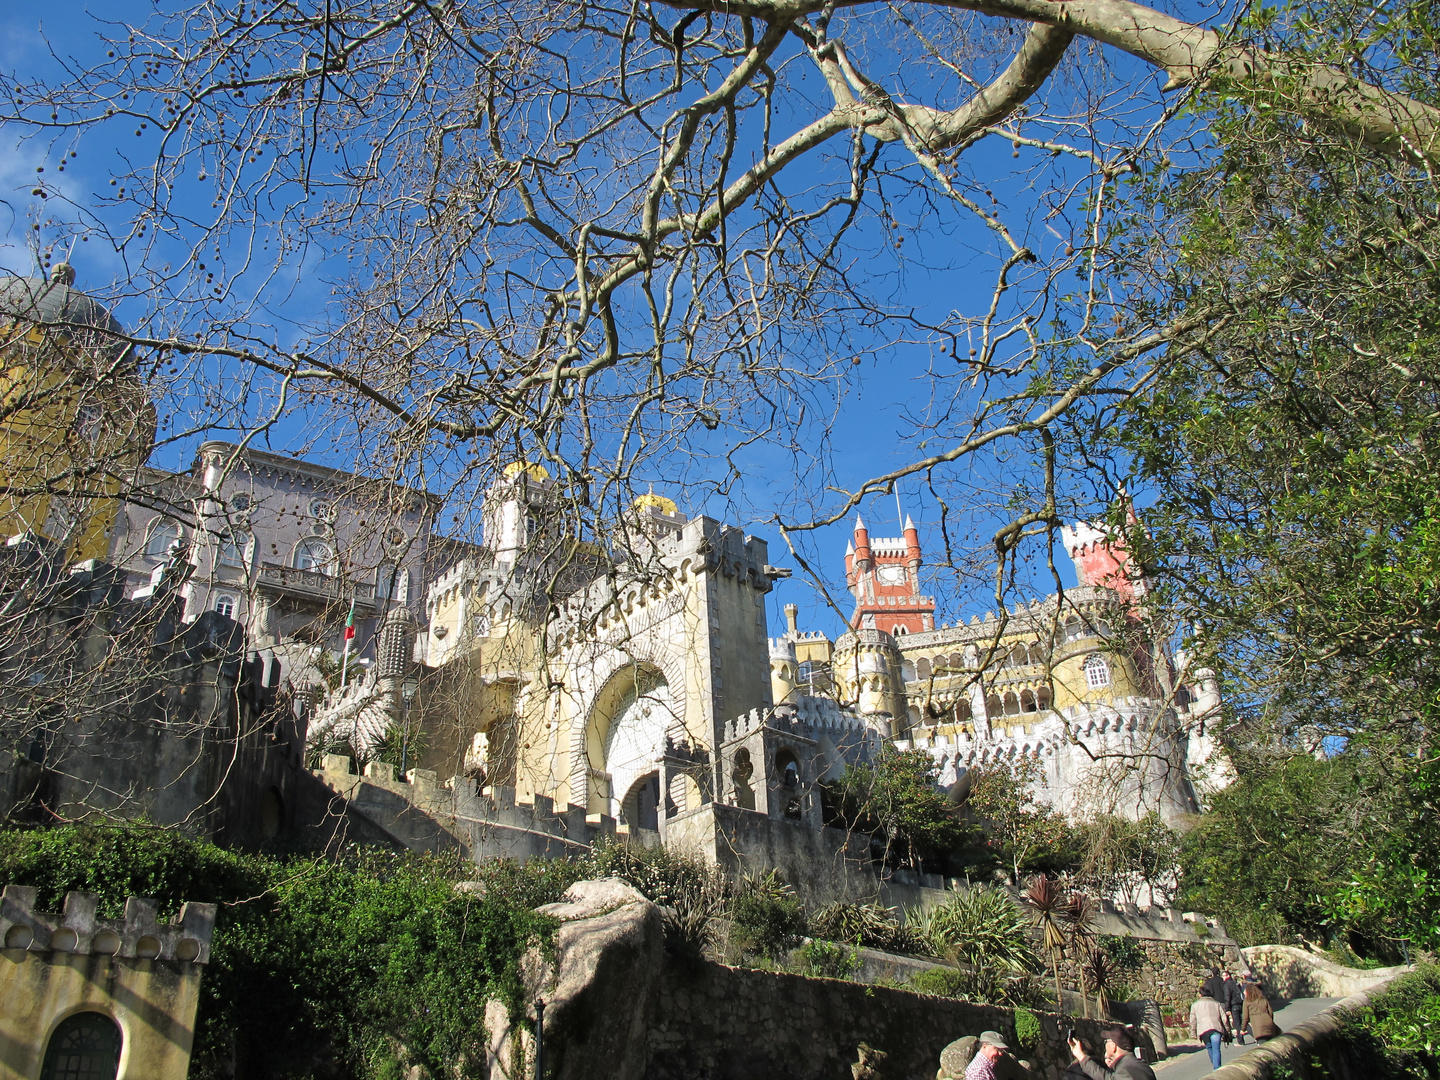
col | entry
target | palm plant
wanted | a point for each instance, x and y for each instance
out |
(1077, 917)
(1046, 904)
(1097, 972)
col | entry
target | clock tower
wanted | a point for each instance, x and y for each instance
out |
(884, 577)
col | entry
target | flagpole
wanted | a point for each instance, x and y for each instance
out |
(345, 652)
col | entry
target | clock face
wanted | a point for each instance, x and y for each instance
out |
(891, 575)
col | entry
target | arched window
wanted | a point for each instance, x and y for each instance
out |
(225, 605)
(314, 555)
(922, 668)
(1018, 655)
(897, 630)
(85, 1046)
(1037, 654)
(1027, 701)
(962, 711)
(163, 533)
(1097, 671)
(1042, 698)
(907, 671)
(233, 549)
(1012, 705)
(402, 587)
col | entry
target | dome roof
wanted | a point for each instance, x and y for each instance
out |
(53, 301)
(536, 472)
(659, 502)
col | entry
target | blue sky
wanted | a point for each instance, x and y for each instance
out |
(951, 265)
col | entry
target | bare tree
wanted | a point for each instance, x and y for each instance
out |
(609, 236)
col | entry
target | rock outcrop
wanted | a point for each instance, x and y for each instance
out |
(597, 986)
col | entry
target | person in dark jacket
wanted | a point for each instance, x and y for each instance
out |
(1214, 986)
(1120, 1060)
(1234, 1002)
(1258, 1015)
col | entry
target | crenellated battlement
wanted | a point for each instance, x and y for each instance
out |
(79, 931)
(807, 717)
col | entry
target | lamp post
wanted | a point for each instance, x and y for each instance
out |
(539, 1039)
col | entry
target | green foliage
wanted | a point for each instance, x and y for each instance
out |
(1347, 856)
(766, 917)
(693, 895)
(827, 960)
(897, 799)
(1125, 953)
(1024, 834)
(1405, 1020)
(981, 987)
(1027, 1030)
(318, 968)
(871, 925)
(980, 927)
(1286, 446)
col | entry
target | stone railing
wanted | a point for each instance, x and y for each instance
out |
(1287, 972)
(314, 583)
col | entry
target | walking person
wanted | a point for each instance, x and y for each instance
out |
(1258, 1015)
(1209, 1022)
(1235, 1005)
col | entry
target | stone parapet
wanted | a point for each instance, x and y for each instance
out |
(79, 930)
(421, 810)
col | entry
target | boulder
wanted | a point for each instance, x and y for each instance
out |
(597, 987)
(956, 1057)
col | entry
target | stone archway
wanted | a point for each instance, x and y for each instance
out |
(624, 736)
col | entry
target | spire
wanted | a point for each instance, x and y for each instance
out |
(849, 548)
(908, 523)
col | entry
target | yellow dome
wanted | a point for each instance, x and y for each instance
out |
(535, 472)
(665, 506)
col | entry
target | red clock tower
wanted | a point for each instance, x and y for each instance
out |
(884, 577)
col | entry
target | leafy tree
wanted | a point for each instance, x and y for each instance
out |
(897, 799)
(1025, 834)
(1288, 444)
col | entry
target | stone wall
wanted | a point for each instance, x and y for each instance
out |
(422, 813)
(619, 1006)
(823, 865)
(1172, 972)
(714, 1022)
(1287, 972)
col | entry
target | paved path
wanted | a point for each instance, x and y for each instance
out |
(1188, 1061)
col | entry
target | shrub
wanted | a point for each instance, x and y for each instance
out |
(827, 960)
(982, 987)
(1126, 954)
(692, 894)
(766, 917)
(871, 925)
(1027, 1030)
(981, 927)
